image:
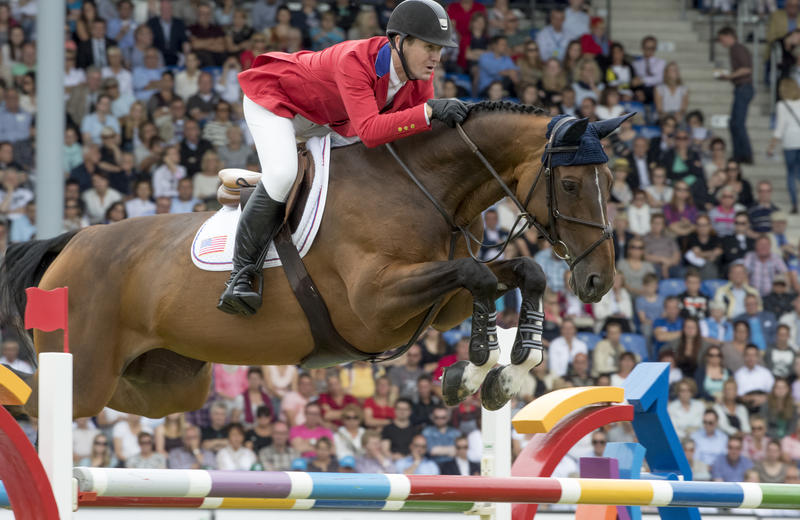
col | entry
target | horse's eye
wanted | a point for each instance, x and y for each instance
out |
(569, 186)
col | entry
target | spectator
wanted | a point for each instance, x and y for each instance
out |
(186, 81)
(762, 323)
(348, 437)
(787, 132)
(733, 415)
(792, 320)
(576, 20)
(214, 435)
(100, 197)
(790, 446)
(366, 24)
(779, 300)
(649, 305)
(772, 469)
(733, 293)
(763, 265)
(147, 79)
(334, 400)
(733, 350)
(703, 250)
(92, 52)
(496, 65)
(83, 433)
(147, 458)
(459, 464)
(260, 435)
(294, 402)
(206, 182)
(304, 437)
(120, 103)
(262, 14)
(101, 455)
(142, 204)
(606, 352)
(169, 434)
(94, 124)
(168, 34)
(552, 39)
(700, 470)
(671, 96)
(563, 349)
(689, 346)
(616, 305)
(373, 458)
(256, 394)
(660, 248)
(716, 328)
(497, 16)
(595, 41)
(235, 455)
(23, 228)
(717, 160)
(115, 213)
(425, 401)
(669, 326)
(760, 213)
(201, 105)
(610, 107)
(755, 444)
(398, 435)
(237, 32)
(779, 411)
(163, 98)
(11, 356)
(578, 373)
(417, 463)
(554, 269)
(741, 186)
(684, 164)
(122, 25)
(190, 455)
(780, 242)
(279, 455)
(710, 441)
(326, 34)
(126, 437)
(693, 302)
(15, 124)
(686, 412)
(753, 379)
(440, 437)
(681, 213)
(627, 361)
(306, 18)
(782, 21)
(731, 466)
(588, 83)
(531, 66)
(167, 176)
(742, 78)
(738, 243)
(649, 70)
(553, 83)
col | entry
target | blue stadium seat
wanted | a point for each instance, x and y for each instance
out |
(590, 338)
(637, 344)
(671, 287)
(709, 287)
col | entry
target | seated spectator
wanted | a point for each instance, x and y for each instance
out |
(634, 268)
(214, 436)
(639, 213)
(100, 197)
(779, 410)
(626, 362)
(753, 379)
(347, 439)
(554, 269)
(215, 131)
(115, 213)
(147, 78)
(780, 241)
(237, 30)
(763, 265)
(733, 293)
(741, 186)
(531, 65)
(440, 437)
(760, 213)
(792, 320)
(703, 250)
(772, 469)
(126, 436)
(762, 323)
(334, 400)
(790, 445)
(658, 193)
(578, 375)
(147, 458)
(235, 455)
(738, 243)
(193, 147)
(661, 249)
(15, 123)
(686, 412)
(169, 434)
(279, 455)
(325, 459)
(417, 463)
(14, 195)
(671, 96)
(142, 204)
(186, 81)
(83, 433)
(779, 357)
(755, 444)
(731, 466)
(683, 164)
(710, 441)
(681, 213)
(563, 349)
(606, 352)
(616, 305)
(459, 464)
(234, 153)
(378, 409)
(116, 72)
(11, 356)
(404, 377)
(700, 470)
(595, 42)
(733, 415)
(373, 458)
(207, 38)
(781, 21)
(167, 176)
(496, 65)
(190, 455)
(552, 39)
(492, 234)
(398, 435)
(23, 228)
(669, 326)
(101, 456)
(254, 397)
(260, 435)
(305, 436)
(649, 71)
(689, 346)
(203, 104)
(294, 402)
(621, 192)
(716, 328)
(711, 376)
(693, 302)
(588, 83)
(553, 84)
(164, 97)
(649, 305)
(733, 350)
(366, 25)
(142, 40)
(327, 33)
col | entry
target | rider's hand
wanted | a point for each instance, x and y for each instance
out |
(448, 111)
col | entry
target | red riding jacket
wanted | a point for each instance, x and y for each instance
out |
(344, 86)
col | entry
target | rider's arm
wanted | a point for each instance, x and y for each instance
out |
(374, 128)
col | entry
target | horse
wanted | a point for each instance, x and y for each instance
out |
(145, 329)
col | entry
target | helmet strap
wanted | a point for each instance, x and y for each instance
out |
(399, 50)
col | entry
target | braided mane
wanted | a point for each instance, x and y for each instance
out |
(504, 106)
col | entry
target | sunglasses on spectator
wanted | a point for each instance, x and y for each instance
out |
(710, 423)
(462, 447)
(597, 443)
(419, 445)
(650, 48)
(714, 354)
(740, 222)
(100, 443)
(350, 417)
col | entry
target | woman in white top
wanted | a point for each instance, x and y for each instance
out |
(206, 181)
(142, 204)
(658, 193)
(280, 380)
(186, 80)
(235, 456)
(166, 176)
(672, 97)
(609, 106)
(686, 412)
(787, 131)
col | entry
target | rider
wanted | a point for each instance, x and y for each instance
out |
(378, 89)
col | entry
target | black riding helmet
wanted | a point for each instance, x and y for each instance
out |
(422, 19)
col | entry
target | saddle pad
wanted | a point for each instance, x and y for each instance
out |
(212, 247)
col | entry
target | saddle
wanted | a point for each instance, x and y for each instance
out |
(237, 185)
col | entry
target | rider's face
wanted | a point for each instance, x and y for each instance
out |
(421, 57)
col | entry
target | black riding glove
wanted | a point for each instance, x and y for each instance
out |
(448, 111)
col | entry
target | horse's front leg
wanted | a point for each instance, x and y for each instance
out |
(503, 382)
(408, 290)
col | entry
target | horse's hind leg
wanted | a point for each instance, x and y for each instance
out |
(503, 382)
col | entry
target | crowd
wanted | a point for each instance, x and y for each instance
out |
(706, 277)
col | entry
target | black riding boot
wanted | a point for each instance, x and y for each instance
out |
(258, 224)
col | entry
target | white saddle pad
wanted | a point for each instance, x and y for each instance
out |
(212, 247)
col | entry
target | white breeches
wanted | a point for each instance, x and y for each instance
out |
(276, 143)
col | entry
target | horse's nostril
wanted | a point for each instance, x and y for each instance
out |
(595, 282)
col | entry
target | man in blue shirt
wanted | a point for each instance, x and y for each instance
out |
(763, 324)
(554, 269)
(441, 437)
(731, 467)
(15, 123)
(497, 65)
(147, 79)
(710, 441)
(417, 463)
(668, 327)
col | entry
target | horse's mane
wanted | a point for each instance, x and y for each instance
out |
(504, 106)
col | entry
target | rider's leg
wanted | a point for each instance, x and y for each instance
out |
(274, 137)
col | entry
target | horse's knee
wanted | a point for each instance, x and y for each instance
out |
(531, 276)
(477, 278)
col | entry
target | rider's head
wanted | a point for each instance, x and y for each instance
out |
(417, 30)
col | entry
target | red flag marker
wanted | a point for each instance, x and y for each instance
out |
(47, 311)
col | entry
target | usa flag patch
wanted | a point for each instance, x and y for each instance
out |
(212, 245)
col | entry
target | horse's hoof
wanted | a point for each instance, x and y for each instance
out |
(454, 390)
(494, 394)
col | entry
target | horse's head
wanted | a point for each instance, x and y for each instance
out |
(568, 198)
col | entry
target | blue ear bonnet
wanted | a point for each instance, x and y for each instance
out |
(586, 136)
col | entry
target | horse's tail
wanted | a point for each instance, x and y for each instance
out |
(23, 266)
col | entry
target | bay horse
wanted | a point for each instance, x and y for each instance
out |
(143, 321)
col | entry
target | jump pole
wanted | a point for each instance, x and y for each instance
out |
(55, 426)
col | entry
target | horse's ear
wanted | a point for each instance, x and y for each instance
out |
(605, 127)
(573, 134)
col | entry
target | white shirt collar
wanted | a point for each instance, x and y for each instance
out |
(394, 79)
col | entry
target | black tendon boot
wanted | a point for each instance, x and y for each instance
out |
(260, 220)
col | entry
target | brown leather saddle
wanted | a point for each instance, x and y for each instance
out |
(330, 348)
